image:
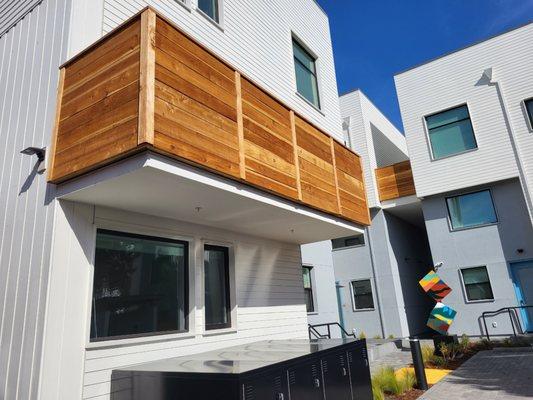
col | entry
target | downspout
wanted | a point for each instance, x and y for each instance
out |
(488, 74)
(376, 283)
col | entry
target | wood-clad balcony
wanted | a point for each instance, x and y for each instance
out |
(148, 87)
(395, 181)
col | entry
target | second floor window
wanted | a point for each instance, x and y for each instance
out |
(450, 132)
(528, 104)
(210, 8)
(471, 210)
(350, 241)
(308, 289)
(306, 77)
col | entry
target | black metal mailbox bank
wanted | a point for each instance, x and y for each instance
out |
(323, 369)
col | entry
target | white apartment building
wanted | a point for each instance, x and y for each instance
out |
(189, 154)
(467, 120)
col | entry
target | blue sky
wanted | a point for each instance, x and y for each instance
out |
(375, 39)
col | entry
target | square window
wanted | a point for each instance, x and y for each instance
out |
(471, 210)
(350, 241)
(217, 288)
(210, 8)
(450, 132)
(362, 295)
(477, 284)
(528, 105)
(308, 289)
(306, 77)
(140, 286)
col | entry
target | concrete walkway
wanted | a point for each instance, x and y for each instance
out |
(489, 375)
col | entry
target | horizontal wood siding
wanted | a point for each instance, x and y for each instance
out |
(395, 181)
(99, 105)
(268, 147)
(196, 103)
(351, 185)
(161, 90)
(317, 174)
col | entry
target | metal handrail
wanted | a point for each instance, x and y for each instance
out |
(511, 311)
(312, 330)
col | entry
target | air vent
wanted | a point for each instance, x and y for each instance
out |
(249, 392)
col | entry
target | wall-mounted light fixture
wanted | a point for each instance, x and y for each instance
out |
(39, 152)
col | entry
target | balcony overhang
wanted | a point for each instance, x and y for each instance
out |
(153, 184)
(147, 86)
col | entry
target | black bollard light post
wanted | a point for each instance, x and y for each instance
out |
(418, 362)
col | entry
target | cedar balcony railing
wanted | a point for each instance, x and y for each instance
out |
(148, 86)
(395, 181)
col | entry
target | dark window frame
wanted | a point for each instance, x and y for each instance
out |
(309, 291)
(352, 291)
(529, 115)
(428, 131)
(217, 8)
(304, 49)
(225, 250)
(450, 221)
(466, 286)
(186, 306)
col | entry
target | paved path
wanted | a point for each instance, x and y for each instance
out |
(489, 375)
(397, 360)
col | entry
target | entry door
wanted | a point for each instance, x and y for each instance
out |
(523, 282)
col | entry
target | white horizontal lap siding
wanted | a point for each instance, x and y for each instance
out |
(268, 287)
(257, 40)
(454, 80)
(31, 52)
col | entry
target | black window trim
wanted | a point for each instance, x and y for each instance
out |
(426, 127)
(225, 250)
(353, 295)
(310, 268)
(529, 117)
(186, 279)
(467, 299)
(314, 74)
(450, 224)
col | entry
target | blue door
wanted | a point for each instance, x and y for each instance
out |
(523, 283)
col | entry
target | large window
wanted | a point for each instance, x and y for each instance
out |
(140, 286)
(528, 105)
(362, 295)
(472, 209)
(308, 288)
(306, 76)
(210, 8)
(217, 288)
(350, 241)
(450, 132)
(477, 284)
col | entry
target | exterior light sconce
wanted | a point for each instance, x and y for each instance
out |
(41, 156)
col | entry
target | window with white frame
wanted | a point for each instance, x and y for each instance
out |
(528, 105)
(140, 286)
(362, 295)
(306, 73)
(450, 132)
(211, 8)
(471, 210)
(217, 287)
(477, 284)
(308, 288)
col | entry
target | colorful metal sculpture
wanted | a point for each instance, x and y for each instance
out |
(441, 316)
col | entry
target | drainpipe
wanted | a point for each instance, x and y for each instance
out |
(376, 283)
(338, 288)
(488, 75)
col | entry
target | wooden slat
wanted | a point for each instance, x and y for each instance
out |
(339, 207)
(53, 144)
(240, 126)
(295, 152)
(147, 78)
(395, 181)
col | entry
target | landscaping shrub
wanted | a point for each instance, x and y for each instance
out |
(385, 381)
(362, 335)
(377, 392)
